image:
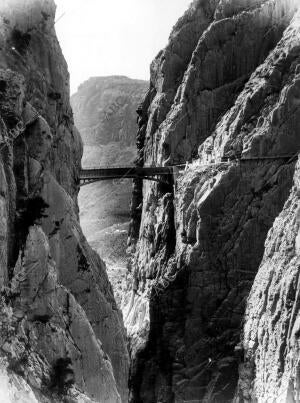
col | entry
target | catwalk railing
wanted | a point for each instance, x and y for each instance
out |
(96, 174)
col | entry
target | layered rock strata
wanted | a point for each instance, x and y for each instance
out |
(62, 336)
(225, 93)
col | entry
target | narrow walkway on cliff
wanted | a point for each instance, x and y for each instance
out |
(91, 175)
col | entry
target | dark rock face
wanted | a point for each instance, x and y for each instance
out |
(62, 336)
(197, 247)
(270, 369)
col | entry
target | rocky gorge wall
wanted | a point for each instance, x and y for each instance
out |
(62, 336)
(269, 370)
(225, 86)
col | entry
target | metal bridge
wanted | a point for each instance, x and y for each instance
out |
(91, 175)
(105, 173)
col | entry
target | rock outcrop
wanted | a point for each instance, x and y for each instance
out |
(62, 335)
(224, 93)
(105, 114)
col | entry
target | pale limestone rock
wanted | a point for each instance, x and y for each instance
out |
(57, 325)
(13, 388)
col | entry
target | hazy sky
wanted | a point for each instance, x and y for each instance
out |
(100, 38)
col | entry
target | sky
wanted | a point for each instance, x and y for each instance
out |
(114, 37)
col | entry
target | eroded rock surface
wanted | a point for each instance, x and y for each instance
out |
(269, 370)
(62, 335)
(231, 93)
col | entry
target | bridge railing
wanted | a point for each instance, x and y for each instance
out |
(123, 172)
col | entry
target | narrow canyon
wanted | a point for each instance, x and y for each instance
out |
(105, 114)
(176, 288)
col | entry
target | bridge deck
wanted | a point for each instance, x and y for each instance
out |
(123, 172)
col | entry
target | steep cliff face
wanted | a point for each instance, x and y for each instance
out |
(61, 332)
(270, 368)
(197, 245)
(105, 113)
